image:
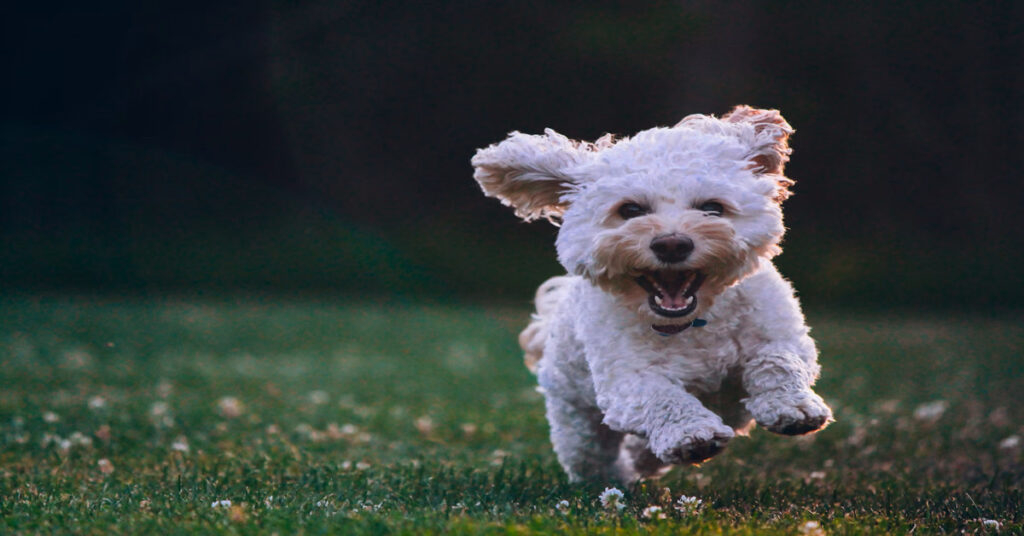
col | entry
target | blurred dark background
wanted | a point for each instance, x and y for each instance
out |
(323, 146)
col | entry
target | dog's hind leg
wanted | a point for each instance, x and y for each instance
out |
(636, 461)
(547, 299)
(586, 448)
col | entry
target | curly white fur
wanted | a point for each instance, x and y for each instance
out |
(632, 387)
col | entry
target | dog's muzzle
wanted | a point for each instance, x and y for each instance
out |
(671, 293)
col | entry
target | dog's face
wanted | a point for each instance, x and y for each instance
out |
(664, 221)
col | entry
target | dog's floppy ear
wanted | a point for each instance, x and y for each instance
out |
(769, 150)
(530, 173)
(771, 141)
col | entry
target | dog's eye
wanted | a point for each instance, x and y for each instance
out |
(632, 210)
(713, 208)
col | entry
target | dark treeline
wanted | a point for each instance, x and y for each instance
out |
(325, 145)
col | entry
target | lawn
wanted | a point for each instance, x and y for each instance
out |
(265, 415)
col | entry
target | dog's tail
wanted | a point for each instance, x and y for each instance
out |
(532, 339)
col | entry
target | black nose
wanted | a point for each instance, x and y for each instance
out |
(672, 248)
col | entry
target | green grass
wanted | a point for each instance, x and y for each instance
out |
(367, 418)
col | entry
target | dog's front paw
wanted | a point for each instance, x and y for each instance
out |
(790, 412)
(692, 443)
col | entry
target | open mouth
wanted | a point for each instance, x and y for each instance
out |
(672, 293)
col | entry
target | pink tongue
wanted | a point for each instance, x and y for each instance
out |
(676, 301)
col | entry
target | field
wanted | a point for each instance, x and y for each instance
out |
(261, 415)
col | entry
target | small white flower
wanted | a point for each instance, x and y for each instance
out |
(991, 524)
(811, 528)
(319, 398)
(51, 417)
(1010, 443)
(180, 445)
(224, 503)
(105, 466)
(931, 411)
(425, 425)
(562, 506)
(80, 439)
(653, 512)
(612, 498)
(160, 414)
(687, 505)
(158, 409)
(97, 403)
(230, 407)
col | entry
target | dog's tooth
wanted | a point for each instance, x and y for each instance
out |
(657, 300)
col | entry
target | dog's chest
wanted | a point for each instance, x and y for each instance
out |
(702, 358)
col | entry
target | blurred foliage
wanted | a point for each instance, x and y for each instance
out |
(323, 146)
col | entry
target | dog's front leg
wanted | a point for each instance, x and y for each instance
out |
(678, 428)
(781, 399)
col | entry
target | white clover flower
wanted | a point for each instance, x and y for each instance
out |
(105, 466)
(931, 411)
(612, 498)
(562, 506)
(230, 407)
(158, 409)
(224, 503)
(180, 445)
(160, 414)
(1010, 443)
(811, 528)
(653, 512)
(97, 403)
(425, 425)
(688, 505)
(319, 398)
(80, 440)
(991, 524)
(50, 417)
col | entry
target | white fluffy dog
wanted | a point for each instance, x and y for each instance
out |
(675, 331)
